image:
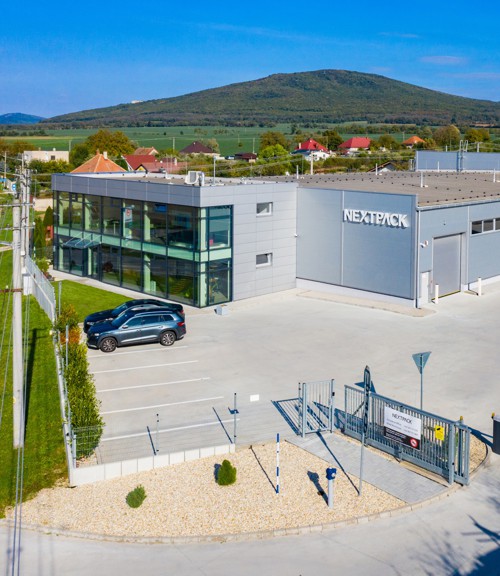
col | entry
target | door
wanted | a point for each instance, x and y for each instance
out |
(446, 264)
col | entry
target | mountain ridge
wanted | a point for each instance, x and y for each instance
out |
(326, 96)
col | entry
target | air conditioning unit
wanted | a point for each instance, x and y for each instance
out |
(195, 178)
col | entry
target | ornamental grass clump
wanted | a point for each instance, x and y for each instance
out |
(136, 497)
(226, 474)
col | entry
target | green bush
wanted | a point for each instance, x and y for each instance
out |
(67, 317)
(136, 497)
(83, 400)
(226, 474)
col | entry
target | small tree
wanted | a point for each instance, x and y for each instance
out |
(226, 474)
(136, 497)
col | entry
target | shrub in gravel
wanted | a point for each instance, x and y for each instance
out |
(226, 474)
(136, 497)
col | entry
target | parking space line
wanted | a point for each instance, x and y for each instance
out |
(141, 351)
(162, 405)
(217, 423)
(144, 367)
(152, 385)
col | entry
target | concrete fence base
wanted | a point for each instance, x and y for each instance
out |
(89, 474)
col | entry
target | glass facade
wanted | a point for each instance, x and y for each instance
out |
(177, 252)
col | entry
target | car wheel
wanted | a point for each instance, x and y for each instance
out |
(108, 345)
(167, 338)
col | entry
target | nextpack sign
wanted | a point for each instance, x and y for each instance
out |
(402, 428)
(390, 219)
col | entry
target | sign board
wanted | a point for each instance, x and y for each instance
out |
(439, 433)
(402, 428)
(420, 360)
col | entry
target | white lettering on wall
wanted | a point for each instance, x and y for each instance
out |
(378, 218)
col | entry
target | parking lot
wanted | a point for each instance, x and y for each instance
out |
(170, 399)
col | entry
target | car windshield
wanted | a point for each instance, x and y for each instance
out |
(122, 318)
(119, 309)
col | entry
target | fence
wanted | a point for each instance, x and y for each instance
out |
(41, 288)
(441, 447)
(316, 407)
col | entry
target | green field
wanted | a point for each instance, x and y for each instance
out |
(231, 140)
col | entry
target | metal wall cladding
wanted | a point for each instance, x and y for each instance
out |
(359, 240)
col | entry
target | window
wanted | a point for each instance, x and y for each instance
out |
(482, 226)
(264, 208)
(264, 259)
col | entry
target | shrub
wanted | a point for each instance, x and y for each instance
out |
(226, 474)
(67, 317)
(136, 497)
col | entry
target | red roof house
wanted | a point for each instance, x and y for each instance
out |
(355, 144)
(312, 149)
(413, 141)
(149, 151)
(99, 163)
(198, 148)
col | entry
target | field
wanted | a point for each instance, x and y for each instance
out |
(231, 139)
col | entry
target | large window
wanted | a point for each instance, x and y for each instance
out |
(93, 213)
(155, 223)
(181, 226)
(111, 216)
(131, 269)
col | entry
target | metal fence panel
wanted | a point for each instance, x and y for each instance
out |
(316, 406)
(42, 289)
(444, 445)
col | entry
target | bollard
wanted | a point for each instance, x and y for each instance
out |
(436, 293)
(330, 476)
(496, 433)
(479, 287)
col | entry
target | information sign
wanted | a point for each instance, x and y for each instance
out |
(402, 428)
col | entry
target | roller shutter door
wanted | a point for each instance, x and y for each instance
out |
(446, 264)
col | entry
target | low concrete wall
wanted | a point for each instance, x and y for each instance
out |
(89, 474)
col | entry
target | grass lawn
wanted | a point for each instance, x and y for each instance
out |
(86, 299)
(44, 457)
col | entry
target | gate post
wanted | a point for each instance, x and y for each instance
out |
(332, 405)
(304, 409)
(451, 453)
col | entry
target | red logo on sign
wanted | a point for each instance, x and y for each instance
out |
(414, 443)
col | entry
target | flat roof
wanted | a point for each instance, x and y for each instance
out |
(431, 188)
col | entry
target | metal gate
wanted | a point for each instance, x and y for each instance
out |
(443, 446)
(316, 406)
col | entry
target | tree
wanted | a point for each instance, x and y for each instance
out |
(477, 135)
(79, 154)
(114, 143)
(274, 160)
(447, 135)
(271, 137)
(333, 139)
(388, 142)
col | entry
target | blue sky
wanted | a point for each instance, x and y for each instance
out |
(60, 57)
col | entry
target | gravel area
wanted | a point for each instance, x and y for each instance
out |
(184, 500)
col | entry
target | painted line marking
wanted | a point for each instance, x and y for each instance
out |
(141, 351)
(168, 430)
(144, 367)
(152, 385)
(162, 405)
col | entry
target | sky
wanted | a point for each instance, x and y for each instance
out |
(62, 57)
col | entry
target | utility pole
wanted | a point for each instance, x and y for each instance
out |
(17, 328)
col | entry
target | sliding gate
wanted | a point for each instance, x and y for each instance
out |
(316, 408)
(438, 445)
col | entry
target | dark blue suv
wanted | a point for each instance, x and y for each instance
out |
(139, 304)
(137, 327)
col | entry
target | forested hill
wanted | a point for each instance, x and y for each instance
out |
(19, 118)
(321, 96)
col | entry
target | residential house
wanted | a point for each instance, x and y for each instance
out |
(312, 150)
(199, 148)
(413, 141)
(99, 163)
(355, 145)
(146, 151)
(45, 155)
(249, 157)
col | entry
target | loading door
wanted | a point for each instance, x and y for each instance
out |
(446, 264)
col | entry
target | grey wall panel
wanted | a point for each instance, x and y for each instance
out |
(428, 160)
(455, 161)
(380, 258)
(484, 256)
(319, 235)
